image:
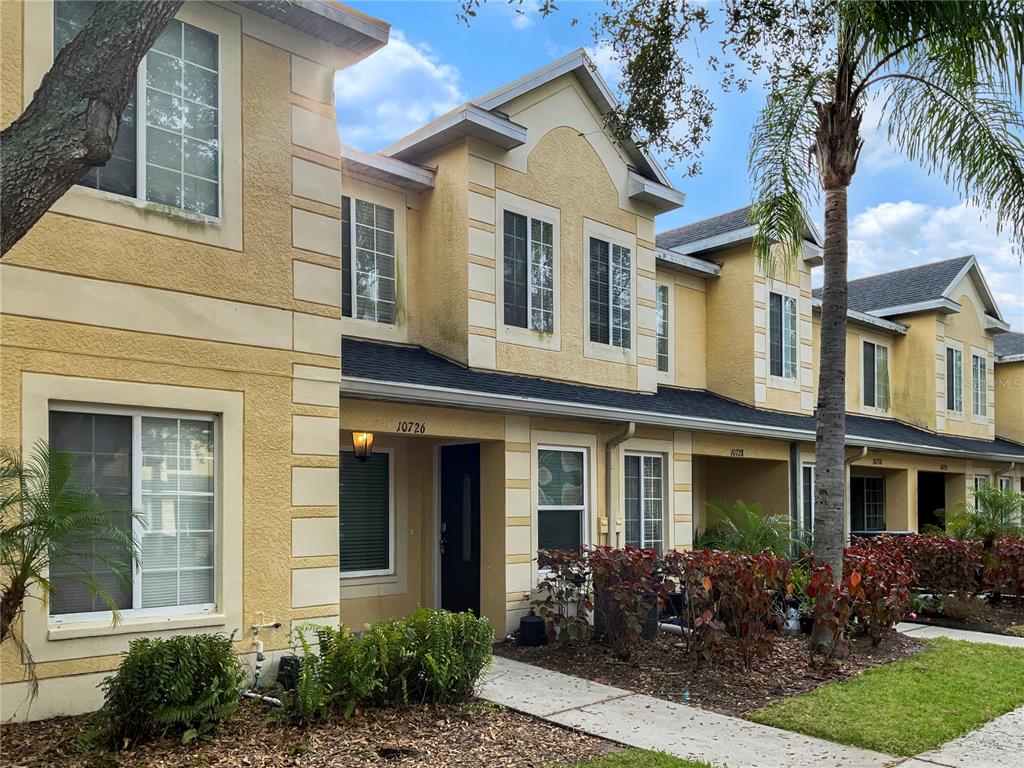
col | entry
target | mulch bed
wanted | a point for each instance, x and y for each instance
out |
(473, 734)
(662, 669)
(996, 618)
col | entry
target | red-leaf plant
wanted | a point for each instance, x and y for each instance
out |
(943, 566)
(1004, 571)
(831, 608)
(629, 589)
(563, 594)
(877, 579)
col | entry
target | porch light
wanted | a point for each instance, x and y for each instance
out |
(362, 445)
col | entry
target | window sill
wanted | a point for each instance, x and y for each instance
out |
(74, 630)
(784, 383)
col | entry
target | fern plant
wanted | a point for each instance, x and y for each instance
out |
(748, 529)
(183, 686)
(992, 513)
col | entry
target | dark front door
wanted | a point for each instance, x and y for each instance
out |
(931, 499)
(460, 528)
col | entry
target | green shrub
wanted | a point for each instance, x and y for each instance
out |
(748, 529)
(429, 657)
(182, 686)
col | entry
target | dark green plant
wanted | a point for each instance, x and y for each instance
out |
(747, 528)
(48, 521)
(184, 686)
(992, 512)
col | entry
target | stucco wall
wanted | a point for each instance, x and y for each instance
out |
(1009, 399)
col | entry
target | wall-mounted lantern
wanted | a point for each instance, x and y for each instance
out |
(362, 445)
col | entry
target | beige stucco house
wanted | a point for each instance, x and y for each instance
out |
(214, 322)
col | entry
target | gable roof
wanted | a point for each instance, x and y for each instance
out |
(717, 232)
(413, 374)
(1010, 347)
(921, 288)
(579, 64)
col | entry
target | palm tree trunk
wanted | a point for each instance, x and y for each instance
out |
(829, 451)
(10, 606)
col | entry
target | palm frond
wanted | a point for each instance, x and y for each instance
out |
(783, 177)
(970, 133)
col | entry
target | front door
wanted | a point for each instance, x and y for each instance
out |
(460, 528)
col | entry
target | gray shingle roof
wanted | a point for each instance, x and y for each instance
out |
(414, 365)
(698, 230)
(904, 286)
(1009, 344)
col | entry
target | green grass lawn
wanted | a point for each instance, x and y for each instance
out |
(640, 758)
(911, 705)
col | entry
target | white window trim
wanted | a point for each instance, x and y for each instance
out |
(789, 293)
(531, 209)
(1005, 482)
(583, 509)
(119, 210)
(874, 409)
(980, 418)
(138, 528)
(643, 497)
(393, 534)
(399, 331)
(958, 375)
(596, 350)
(666, 377)
(353, 277)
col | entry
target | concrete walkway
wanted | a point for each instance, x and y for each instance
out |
(649, 723)
(928, 631)
(998, 744)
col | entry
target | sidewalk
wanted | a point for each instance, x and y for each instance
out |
(928, 631)
(649, 723)
(997, 744)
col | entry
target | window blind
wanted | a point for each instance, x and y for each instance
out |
(599, 291)
(346, 256)
(869, 374)
(661, 296)
(365, 515)
(775, 333)
(515, 269)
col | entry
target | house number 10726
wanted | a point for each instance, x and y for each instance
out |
(413, 427)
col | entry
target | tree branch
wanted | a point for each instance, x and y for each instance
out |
(72, 122)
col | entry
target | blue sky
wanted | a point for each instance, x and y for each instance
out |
(899, 216)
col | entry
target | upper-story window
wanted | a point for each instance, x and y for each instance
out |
(954, 380)
(979, 386)
(662, 309)
(610, 294)
(876, 376)
(368, 280)
(782, 335)
(529, 260)
(168, 144)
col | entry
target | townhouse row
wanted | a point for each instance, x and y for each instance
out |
(338, 385)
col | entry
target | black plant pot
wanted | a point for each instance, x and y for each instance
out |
(806, 624)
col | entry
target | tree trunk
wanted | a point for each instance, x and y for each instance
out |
(10, 606)
(72, 122)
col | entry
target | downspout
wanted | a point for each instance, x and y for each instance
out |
(846, 484)
(610, 487)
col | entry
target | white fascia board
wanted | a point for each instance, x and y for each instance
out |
(387, 169)
(946, 306)
(813, 254)
(716, 241)
(864, 319)
(1010, 359)
(996, 325)
(974, 269)
(690, 264)
(460, 398)
(468, 120)
(661, 197)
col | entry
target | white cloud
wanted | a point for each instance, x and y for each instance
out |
(904, 234)
(878, 154)
(393, 92)
(523, 13)
(608, 66)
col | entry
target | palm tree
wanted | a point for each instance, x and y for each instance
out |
(48, 522)
(747, 528)
(948, 78)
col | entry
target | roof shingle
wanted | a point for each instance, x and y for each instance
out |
(415, 365)
(913, 285)
(1009, 344)
(699, 230)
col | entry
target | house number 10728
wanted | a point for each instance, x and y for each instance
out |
(413, 427)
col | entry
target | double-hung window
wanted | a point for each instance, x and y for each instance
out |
(782, 335)
(807, 492)
(529, 272)
(876, 376)
(367, 517)
(663, 308)
(954, 380)
(561, 498)
(610, 294)
(1005, 483)
(979, 386)
(163, 466)
(368, 279)
(168, 143)
(645, 501)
